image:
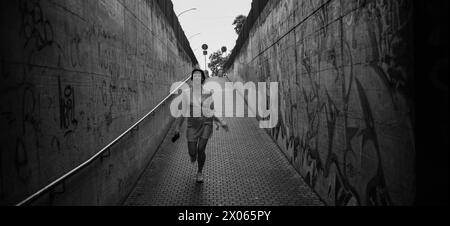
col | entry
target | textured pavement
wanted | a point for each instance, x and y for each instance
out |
(243, 168)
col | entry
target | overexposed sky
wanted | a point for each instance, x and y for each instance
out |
(213, 19)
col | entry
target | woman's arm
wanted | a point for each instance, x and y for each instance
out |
(179, 122)
(222, 123)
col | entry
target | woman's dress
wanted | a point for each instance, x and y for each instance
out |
(199, 127)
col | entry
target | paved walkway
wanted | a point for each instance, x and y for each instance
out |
(243, 168)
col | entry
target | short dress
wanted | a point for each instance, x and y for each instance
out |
(199, 127)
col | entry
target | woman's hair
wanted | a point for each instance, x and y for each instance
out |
(202, 73)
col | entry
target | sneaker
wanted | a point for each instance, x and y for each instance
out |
(200, 178)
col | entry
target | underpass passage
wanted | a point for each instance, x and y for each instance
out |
(74, 75)
(244, 167)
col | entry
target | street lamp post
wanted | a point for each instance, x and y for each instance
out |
(186, 11)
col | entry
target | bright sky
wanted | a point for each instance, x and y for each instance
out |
(213, 19)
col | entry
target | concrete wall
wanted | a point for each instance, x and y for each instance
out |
(346, 98)
(75, 74)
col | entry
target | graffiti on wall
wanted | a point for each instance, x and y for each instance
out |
(74, 77)
(329, 123)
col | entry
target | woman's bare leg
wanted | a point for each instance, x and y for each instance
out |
(193, 150)
(201, 154)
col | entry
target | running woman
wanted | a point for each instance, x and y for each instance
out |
(199, 129)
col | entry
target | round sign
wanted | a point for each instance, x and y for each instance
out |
(204, 47)
(224, 49)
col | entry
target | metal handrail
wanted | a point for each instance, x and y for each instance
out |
(96, 156)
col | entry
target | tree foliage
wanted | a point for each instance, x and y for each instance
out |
(239, 23)
(218, 60)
